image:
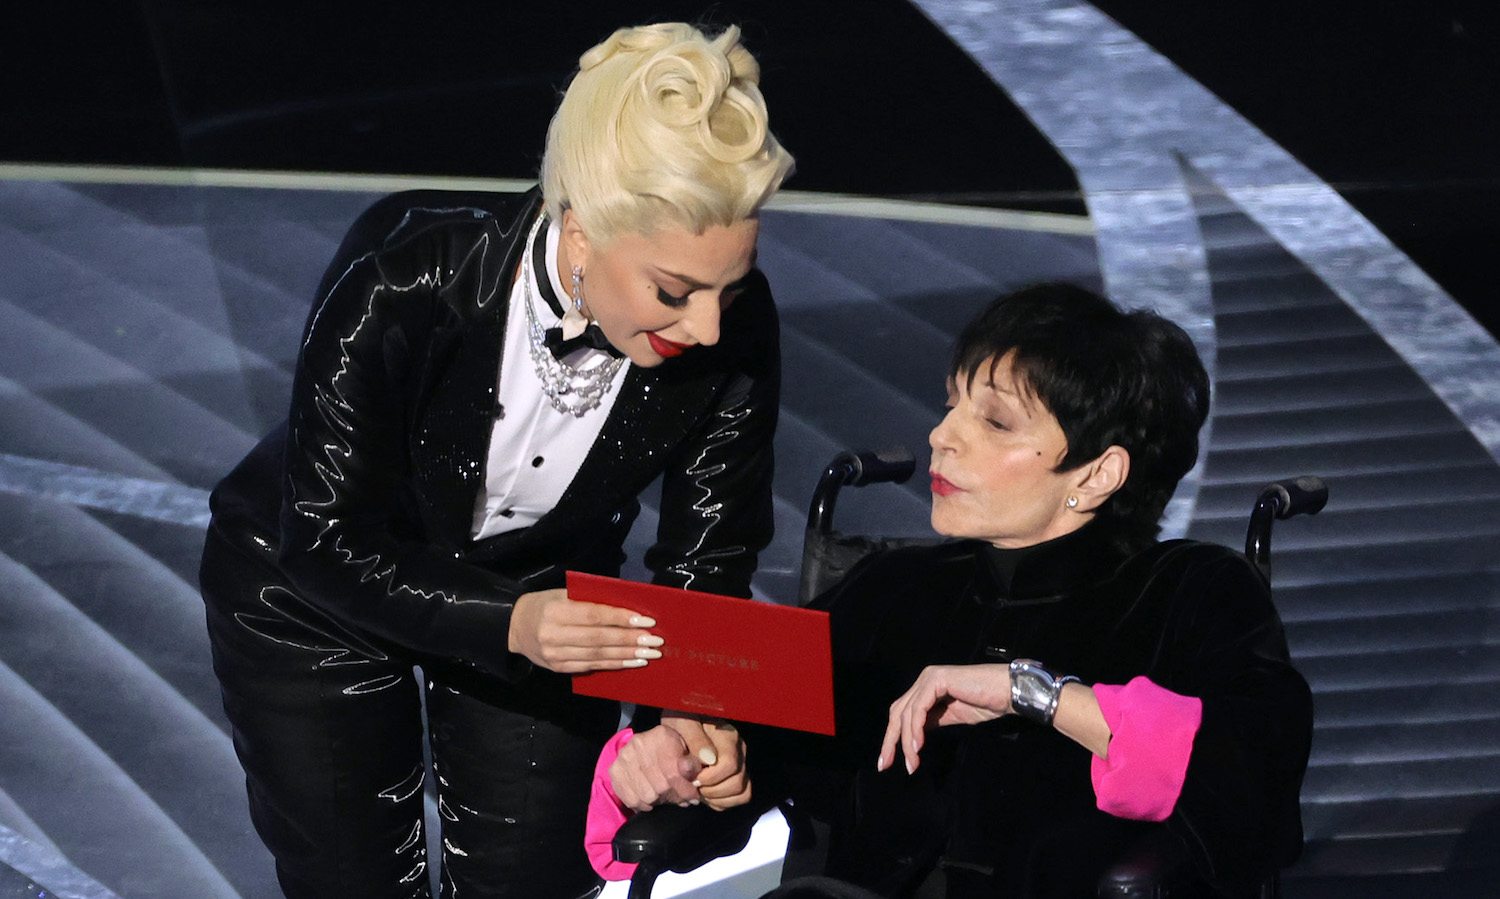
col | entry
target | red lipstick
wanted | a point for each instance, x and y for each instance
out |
(665, 348)
(941, 486)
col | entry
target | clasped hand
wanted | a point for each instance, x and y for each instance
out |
(684, 760)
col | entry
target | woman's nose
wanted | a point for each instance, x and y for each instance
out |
(701, 320)
(941, 437)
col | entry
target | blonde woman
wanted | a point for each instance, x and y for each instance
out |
(484, 387)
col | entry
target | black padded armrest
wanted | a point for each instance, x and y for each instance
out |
(680, 839)
(1154, 866)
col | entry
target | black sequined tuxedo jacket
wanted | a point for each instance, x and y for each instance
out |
(356, 513)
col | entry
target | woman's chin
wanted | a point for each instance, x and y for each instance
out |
(943, 524)
(639, 353)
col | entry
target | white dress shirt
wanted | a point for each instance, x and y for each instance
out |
(535, 451)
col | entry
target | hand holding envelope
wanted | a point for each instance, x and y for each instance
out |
(572, 637)
(723, 657)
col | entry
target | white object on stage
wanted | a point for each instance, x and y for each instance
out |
(748, 874)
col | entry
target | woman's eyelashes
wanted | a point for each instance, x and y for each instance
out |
(670, 300)
(728, 296)
(995, 415)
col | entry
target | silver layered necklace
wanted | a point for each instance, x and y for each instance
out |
(572, 391)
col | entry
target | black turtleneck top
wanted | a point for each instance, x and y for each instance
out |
(1051, 568)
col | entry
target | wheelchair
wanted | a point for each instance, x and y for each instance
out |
(682, 839)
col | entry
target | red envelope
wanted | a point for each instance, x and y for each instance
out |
(730, 658)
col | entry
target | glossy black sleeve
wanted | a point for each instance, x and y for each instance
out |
(342, 540)
(716, 500)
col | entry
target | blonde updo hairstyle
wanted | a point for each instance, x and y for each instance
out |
(662, 125)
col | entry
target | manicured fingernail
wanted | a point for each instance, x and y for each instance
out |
(633, 663)
(697, 784)
(647, 654)
(909, 768)
(706, 756)
(642, 621)
(649, 640)
(880, 762)
(693, 802)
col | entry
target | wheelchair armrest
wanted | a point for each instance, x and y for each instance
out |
(671, 838)
(1154, 866)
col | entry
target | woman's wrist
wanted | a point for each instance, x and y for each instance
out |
(517, 616)
(1080, 720)
(1035, 691)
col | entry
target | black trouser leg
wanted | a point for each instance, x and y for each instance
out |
(513, 775)
(329, 736)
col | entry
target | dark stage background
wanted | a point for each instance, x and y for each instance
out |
(1392, 103)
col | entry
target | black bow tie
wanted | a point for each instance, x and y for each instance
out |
(591, 337)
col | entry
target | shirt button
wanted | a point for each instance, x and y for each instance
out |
(537, 462)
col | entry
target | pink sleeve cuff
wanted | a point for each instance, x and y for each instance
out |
(606, 815)
(1153, 730)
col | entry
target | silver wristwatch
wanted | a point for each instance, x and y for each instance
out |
(1034, 692)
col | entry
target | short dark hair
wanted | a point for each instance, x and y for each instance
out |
(1110, 378)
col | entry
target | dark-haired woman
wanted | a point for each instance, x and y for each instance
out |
(1054, 684)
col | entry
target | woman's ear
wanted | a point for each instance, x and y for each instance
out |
(575, 244)
(1101, 478)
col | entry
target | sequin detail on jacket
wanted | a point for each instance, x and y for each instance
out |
(391, 411)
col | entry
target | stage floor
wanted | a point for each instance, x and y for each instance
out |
(147, 337)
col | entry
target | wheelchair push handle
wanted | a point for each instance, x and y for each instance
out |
(892, 465)
(856, 469)
(1305, 495)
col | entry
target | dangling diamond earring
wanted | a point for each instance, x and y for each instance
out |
(1072, 502)
(573, 321)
